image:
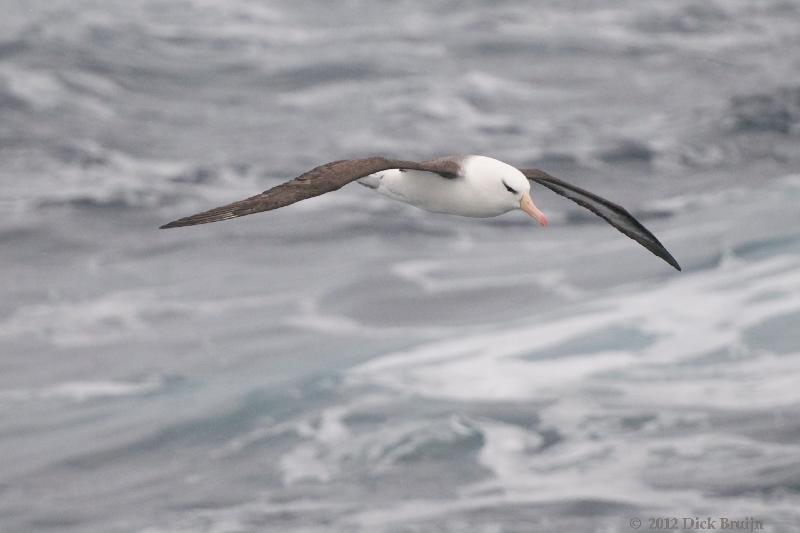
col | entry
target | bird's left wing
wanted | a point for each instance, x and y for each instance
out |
(612, 213)
(324, 178)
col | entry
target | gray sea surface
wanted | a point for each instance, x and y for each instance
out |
(353, 364)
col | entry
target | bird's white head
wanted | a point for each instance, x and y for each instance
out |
(503, 185)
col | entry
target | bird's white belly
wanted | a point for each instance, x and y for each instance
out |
(434, 193)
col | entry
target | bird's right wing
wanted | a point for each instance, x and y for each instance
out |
(612, 213)
(324, 178)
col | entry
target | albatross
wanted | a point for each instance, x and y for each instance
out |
(471, 186)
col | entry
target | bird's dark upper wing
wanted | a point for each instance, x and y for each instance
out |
(612, 213)
(324, 178)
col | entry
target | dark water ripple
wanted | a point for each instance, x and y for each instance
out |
(777, 111)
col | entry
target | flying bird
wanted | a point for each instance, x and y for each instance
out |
(472, 186)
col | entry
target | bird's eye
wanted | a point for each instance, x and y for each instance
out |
(509, 189)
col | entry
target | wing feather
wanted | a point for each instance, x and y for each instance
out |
(319, 180)
(612, 213)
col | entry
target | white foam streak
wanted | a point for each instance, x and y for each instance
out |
(81, 391)
(690, 316)
(112, 317)
(436, 276)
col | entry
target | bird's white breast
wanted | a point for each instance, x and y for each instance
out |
(467, 195)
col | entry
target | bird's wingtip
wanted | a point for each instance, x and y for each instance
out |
(673, 262)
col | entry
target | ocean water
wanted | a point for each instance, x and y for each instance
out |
(352, 364)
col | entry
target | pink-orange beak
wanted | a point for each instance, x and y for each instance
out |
(527, 205)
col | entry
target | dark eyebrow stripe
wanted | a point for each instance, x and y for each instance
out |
(509, 189)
